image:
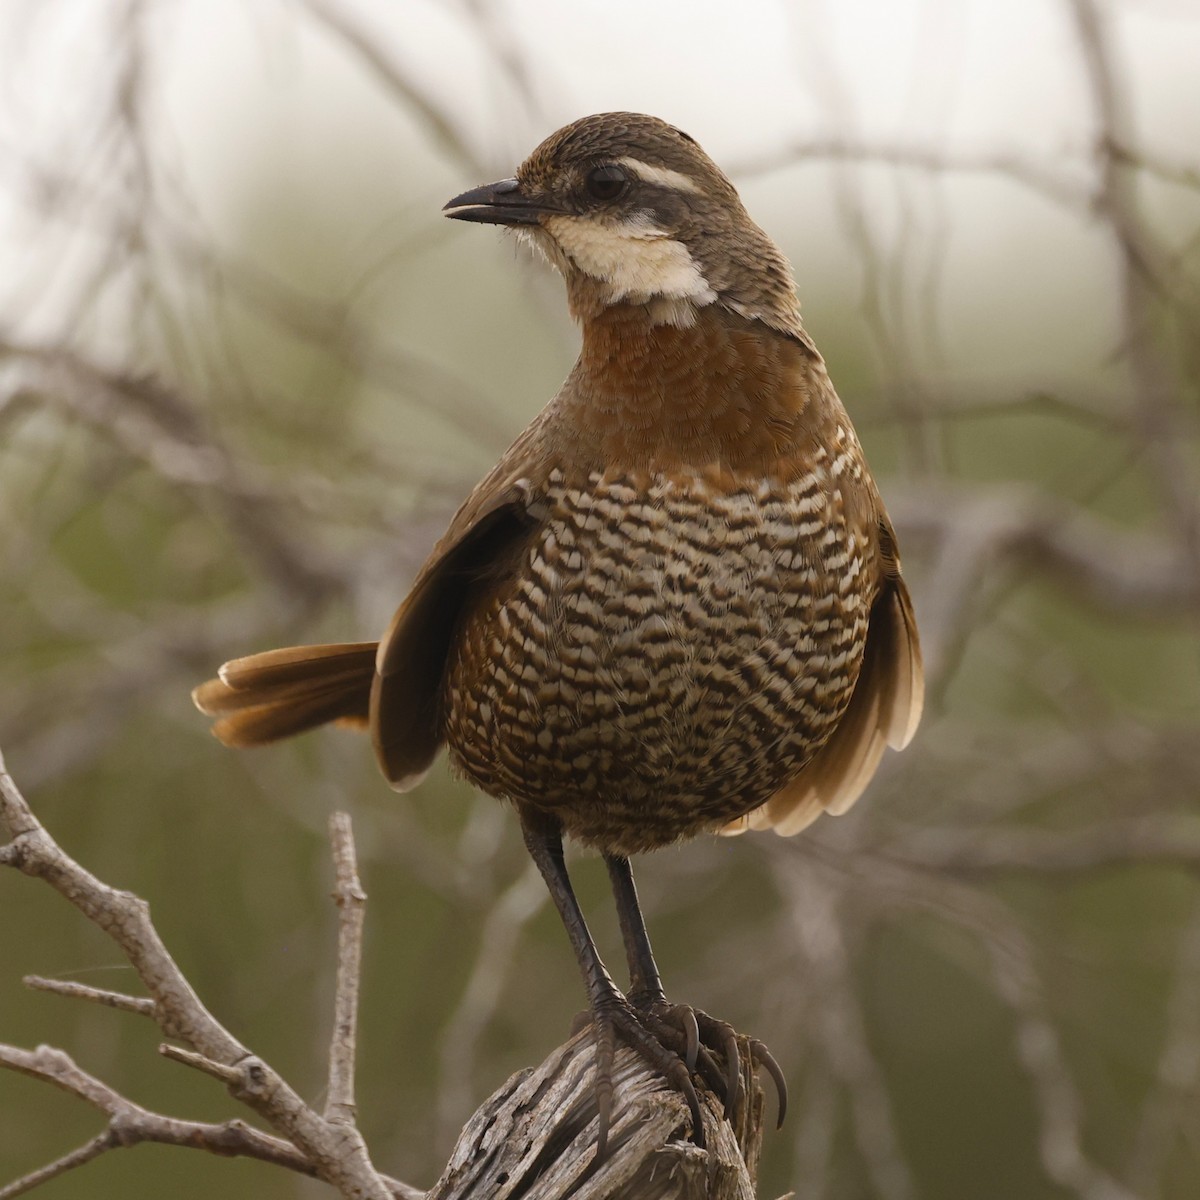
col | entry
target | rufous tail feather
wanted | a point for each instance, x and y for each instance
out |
(279, 693)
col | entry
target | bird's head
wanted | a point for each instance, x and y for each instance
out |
(633, 212)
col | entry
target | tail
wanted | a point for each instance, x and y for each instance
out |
(274, 695)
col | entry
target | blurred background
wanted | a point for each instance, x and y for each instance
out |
(246, 373)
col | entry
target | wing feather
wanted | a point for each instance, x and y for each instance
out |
(884, 710)
(406, 698)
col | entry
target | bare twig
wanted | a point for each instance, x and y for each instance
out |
(351, 901)
(365, 44)
(1141, 276)
(843, 1038)
(518, 903)
(1050, 180)
(1164, 839)
(245, 1074)
(60, 1166)
(334, 1150)
(82, 991)
(130, 1124)
(1110, 568)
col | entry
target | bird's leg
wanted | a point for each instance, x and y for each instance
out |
(646, 992)
(646, 987)
(703, 1036)
(612, 1015)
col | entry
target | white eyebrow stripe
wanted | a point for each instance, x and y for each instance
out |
(663, 176)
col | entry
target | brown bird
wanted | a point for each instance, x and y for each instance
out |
(674, 607)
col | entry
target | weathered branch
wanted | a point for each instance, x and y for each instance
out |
(534, 1138)
(82, 991)
(334, 1150)
(351, 901)
(130, 1124)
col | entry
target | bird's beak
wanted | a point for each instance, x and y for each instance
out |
(500, 203)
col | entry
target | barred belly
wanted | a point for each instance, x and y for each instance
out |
(667, 654)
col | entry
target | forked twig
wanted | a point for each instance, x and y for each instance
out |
(329, 1147)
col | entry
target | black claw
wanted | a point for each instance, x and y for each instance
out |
(604, 1118)
(691, 1029)
(605, 1053)
(731, 1081)
(709, 1071)
(670, 1034)
(677, 1040)
(764, 1057)
(658, 1044)
(733, 1072)
(685, 1085)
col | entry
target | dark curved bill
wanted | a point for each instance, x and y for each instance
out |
(499, 203)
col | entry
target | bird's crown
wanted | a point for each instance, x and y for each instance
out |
(632, 211)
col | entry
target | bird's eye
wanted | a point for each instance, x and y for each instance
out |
(606, 183)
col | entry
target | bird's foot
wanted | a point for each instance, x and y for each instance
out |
(675, 1040)
(617, 1022)
(711, 1047)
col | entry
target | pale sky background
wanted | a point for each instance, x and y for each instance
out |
(276, 146)
(238, 85)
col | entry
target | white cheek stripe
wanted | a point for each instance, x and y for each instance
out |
(637, 262)
(663, 176)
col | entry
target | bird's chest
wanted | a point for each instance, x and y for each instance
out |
(668, 652)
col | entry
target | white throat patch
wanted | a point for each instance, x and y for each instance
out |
(637, 262)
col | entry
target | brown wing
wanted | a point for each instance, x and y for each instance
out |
(395, 686)
(405, 719)
(884, 711)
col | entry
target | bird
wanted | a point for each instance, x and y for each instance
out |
(674, 607)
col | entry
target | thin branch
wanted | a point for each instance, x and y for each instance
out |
(366, 45)
(335, 1151)
(1113, 569)
(351, 901)
(232, 1077)
(1141, 276)
(1163, 840)
(60, 1166)
(818, 931)
(1069, 190)
(130, 1124)
(123, 916)
(82, 991)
